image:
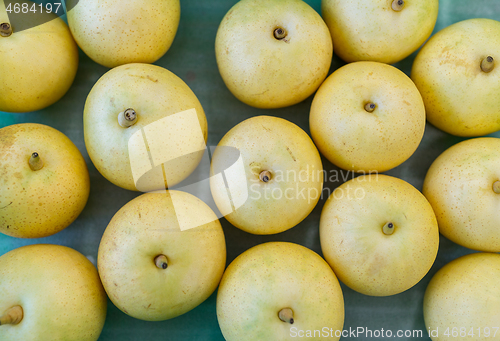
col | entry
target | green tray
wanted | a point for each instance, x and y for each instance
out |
(192, 58)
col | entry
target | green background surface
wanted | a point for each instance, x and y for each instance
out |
(192, 58)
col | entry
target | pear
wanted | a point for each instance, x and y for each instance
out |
(273, 53)
(50, 292)
(114, 33)
(367, 116)
(462, 300)
(44, 181)
(463, 187)
(38, 64)
(277, 180)
(379, 234)
(162, 255)
(458, 75)
(278, 291)
(385, 31)
(144, 128)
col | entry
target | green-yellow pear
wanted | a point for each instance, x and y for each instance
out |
(273, 53)
(458, 75)
(277, 180)
(50, 292)
(463, 187)
(279, 291)
(367, 116)
(385, 31)
(162, 255)
(144, 128)
(379, 234)
(114, 32)
(38, 64)
(44, 181)
(462, 300)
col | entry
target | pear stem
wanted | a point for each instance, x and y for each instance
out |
(370, 107)
(487, 64)
(35, 162)
(388, 228)
(127, 118)
(496, 187)
(161, 262)
(286, 315)
(397, 5)
(13, 316)
(5, 29)
(279, 33)
(265, 176)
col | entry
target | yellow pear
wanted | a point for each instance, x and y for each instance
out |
(458, 75)
(277, 180)
(273, 53)
(144, 128)
(113, 33)
(280, 291)
(462, 300)
(162, 255)
(367, 116)
(463, 187)
(44, 181)
(38, 64)
(385, 31)
(379, 234)
(50, 292)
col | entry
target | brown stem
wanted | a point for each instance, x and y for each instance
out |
(13, 316)
(496, 187)
(5, 29)
(127, 118)
(388, 228)
(279, 33)
(161, 262)
(397, 5)
(487, 64)
(286, 315)
(370, 107)
(265, 176)
(35, 162)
